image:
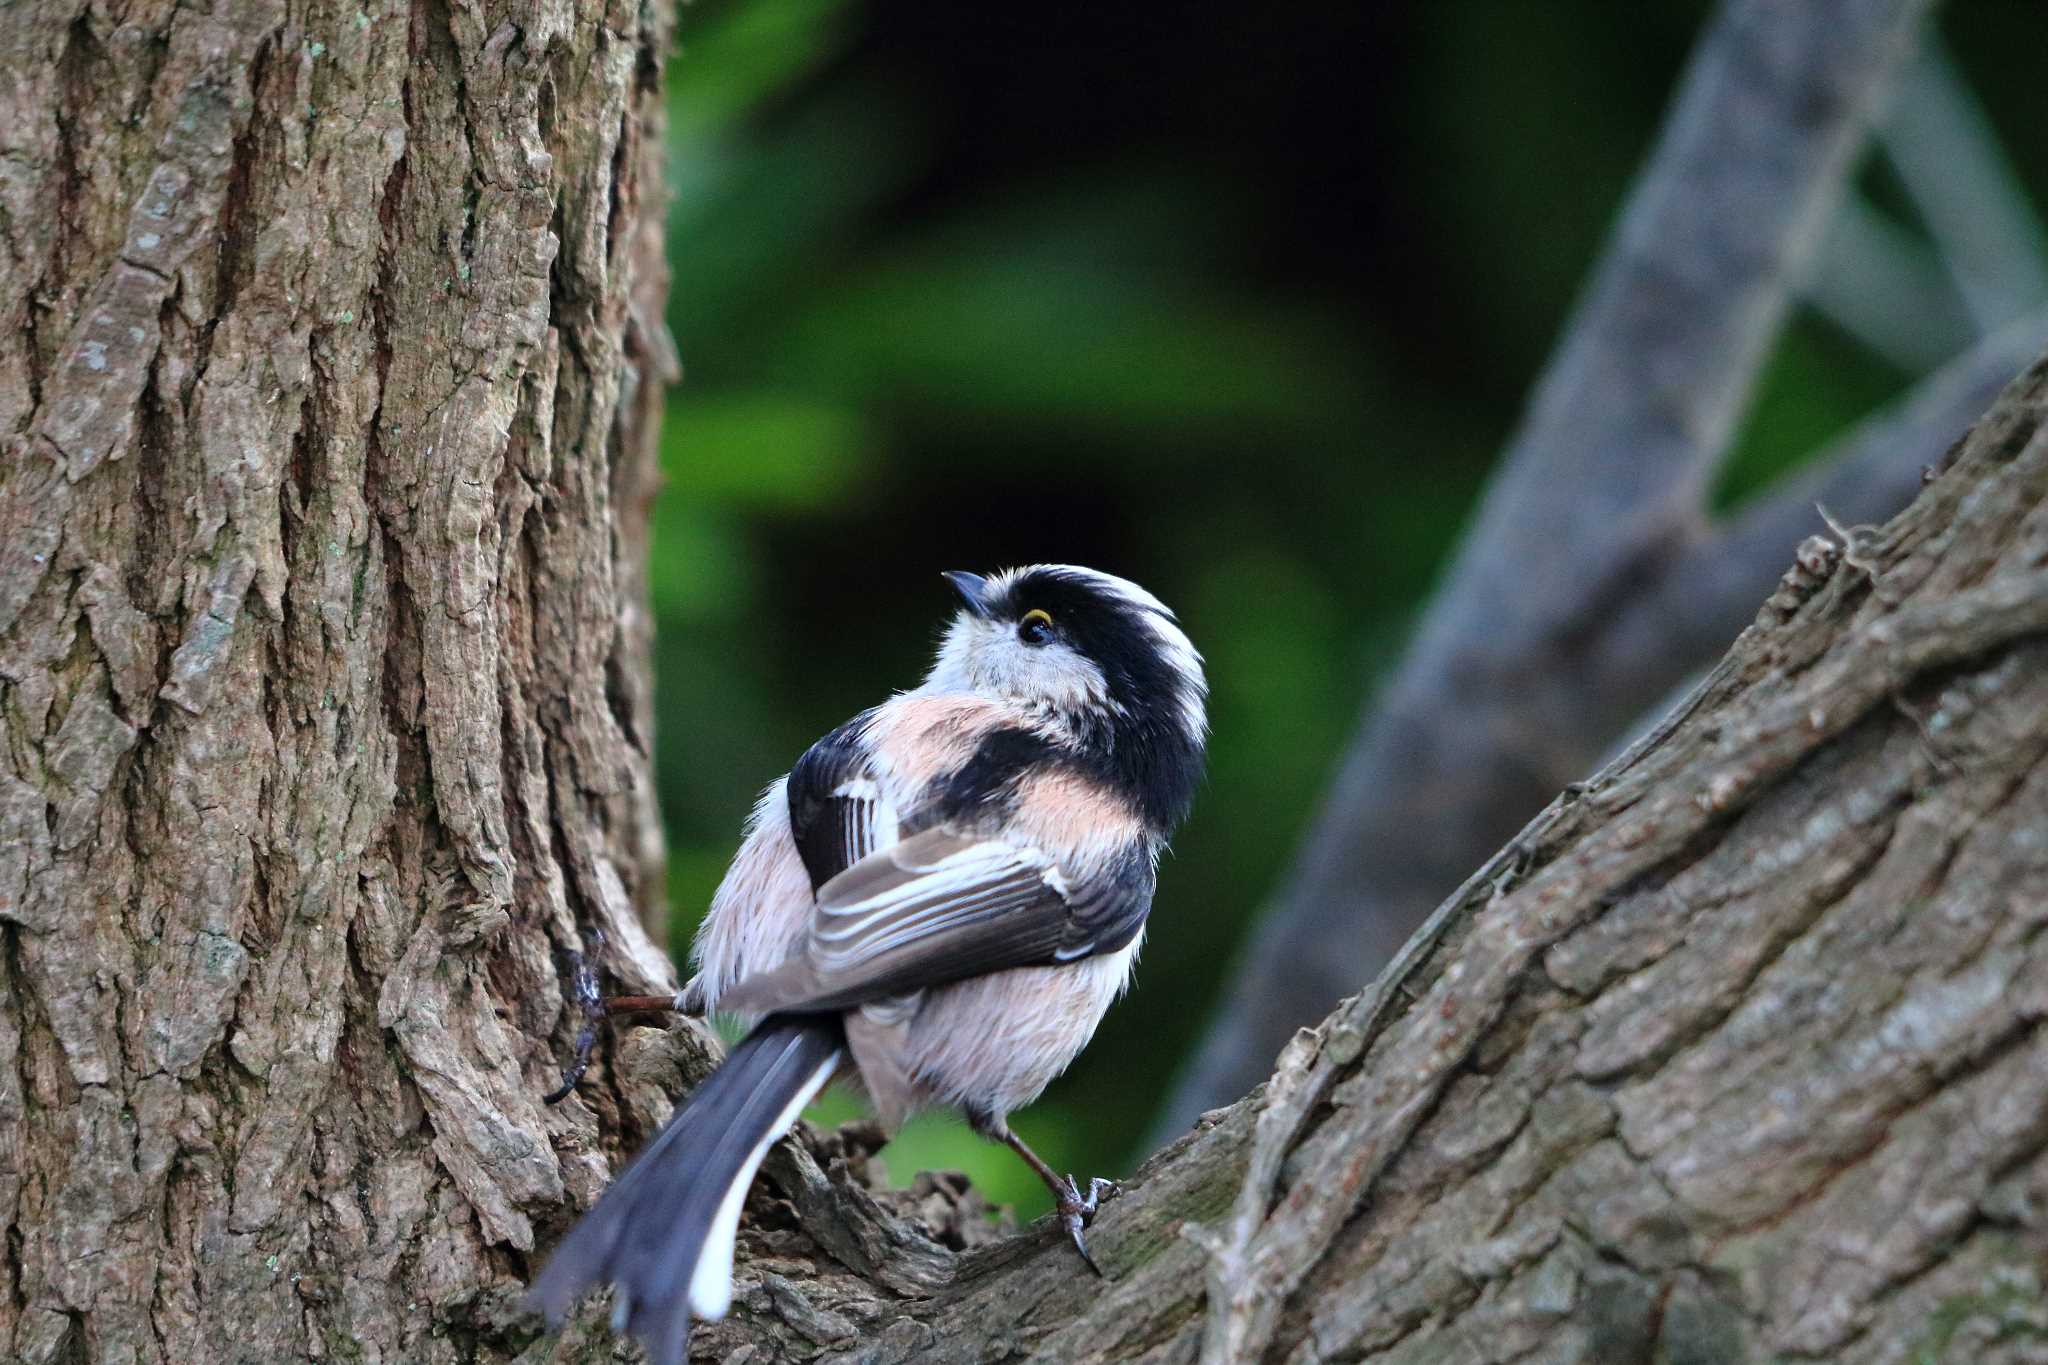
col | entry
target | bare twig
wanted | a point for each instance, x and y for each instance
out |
(1510, 688)
(1238, 1305)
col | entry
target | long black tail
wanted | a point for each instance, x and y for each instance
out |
(664, 1232)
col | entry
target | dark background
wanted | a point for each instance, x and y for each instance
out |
(1238, 301)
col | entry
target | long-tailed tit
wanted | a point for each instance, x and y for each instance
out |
(944, 896)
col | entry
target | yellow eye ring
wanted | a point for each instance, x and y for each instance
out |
(1035, 626)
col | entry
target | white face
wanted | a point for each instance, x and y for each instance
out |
(988, 657)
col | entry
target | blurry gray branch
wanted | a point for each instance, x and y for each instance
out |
(1593, 579)
(1917, 300)
(1938, 139)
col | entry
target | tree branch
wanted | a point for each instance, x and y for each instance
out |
(1509, 690)
(1888, 288)
(1942, 144)
(1690, 604)
(1913, 298)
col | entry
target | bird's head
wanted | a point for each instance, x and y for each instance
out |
(1103, 659)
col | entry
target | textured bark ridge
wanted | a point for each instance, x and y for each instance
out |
(1736, 1053)
(329, 368)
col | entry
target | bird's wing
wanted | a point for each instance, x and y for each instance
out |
(837, 812)
(943, 905)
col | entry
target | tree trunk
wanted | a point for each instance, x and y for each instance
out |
(1736, 1053)
(329, 374)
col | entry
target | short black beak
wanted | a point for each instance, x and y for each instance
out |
(973, 590)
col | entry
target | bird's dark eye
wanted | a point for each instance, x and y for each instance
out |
(1035, 628)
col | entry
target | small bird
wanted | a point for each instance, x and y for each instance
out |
(944, 895)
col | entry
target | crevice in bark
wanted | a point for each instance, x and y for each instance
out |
(32, 348)
(297, 489)
(615, 228)
(76, 90)
(241, 217)
(445, 47)
(2014, 438)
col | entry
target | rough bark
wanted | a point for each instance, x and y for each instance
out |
(330, 357)
(1736, 1053)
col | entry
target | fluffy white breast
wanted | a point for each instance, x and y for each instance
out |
(994, 1042)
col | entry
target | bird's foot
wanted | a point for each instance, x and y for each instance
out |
(596, 1007)
(1077, 1211)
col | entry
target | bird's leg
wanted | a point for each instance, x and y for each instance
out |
(1076, 1210)
(596, 1007)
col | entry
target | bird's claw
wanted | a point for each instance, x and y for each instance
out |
(590, 1002)
(1077, 1211)
(596, 1007)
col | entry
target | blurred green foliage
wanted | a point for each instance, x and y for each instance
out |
(1241, 305)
